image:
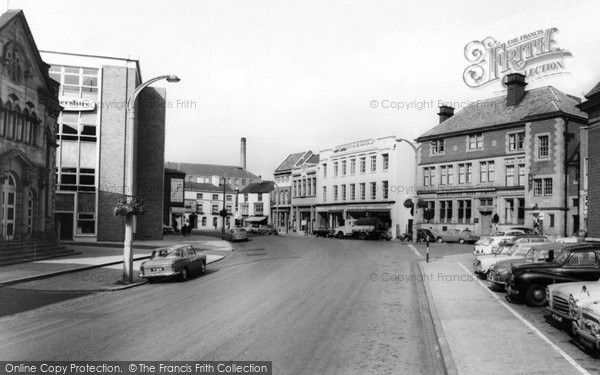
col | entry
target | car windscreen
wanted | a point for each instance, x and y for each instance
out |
(520, 251)
(562, 256)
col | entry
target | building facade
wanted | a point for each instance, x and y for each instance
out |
(254, 204)
(282, 193)
(29, 110)
(368, 178)
(496, 162)
(304, 193)
(205, 201)
(236, 177)
(591, 164)
(173, 198)
(91, 147)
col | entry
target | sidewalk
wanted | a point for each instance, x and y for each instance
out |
(99, 265)
(476, 332)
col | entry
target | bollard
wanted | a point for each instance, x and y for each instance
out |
(427, 249)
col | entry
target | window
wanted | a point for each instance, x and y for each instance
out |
(445, 211)
(343, 167)
(542, 186)
(373, 186)
(215, 209)
(324, 170)
(516, 141)
(373, 163)
(537, 187)
(229, 198)
(443, 175)
(464, 211)
(547, 186)
(352, 192)
(343, 192)
(228, 208)
(510, 175)
(362, 191)
(352, 166)
(429, 176)
(486, 202)
(551, 217)
(198, 195)
(335, 169)
(385, 189)
(437, 147)
(583, 258)
(386, 161)
(521, 211)
(215, 197)
(476, 141)
(258, 208)
(335, 192)
(324, 193)
(215, 221)
(521, 175)
(363, 164)
(543, 146)
(461, 174)
(203, 221)
(486, 171)
(469, 173)
(465, 173)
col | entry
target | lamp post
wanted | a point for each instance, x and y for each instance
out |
(224, 211)
(539, 219)
(129, 168)
(416, 150)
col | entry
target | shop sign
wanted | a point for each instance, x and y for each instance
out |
(71, 104)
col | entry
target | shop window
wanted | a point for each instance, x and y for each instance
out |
(86, 223)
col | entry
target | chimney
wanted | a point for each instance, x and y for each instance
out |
(515, 88)
(243, 153)
(445, 113)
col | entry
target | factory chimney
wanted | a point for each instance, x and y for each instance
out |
(243, 153)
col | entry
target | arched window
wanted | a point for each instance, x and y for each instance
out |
(26, 123)
(33, 139)
(18, 120)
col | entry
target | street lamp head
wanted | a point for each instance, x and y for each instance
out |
(173, 78)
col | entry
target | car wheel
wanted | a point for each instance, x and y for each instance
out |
(536, 295)
(184, 274)
(440, 240)
(482, 276)
(461, 241)
(203, 267)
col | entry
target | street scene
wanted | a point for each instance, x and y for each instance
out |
(284, 187)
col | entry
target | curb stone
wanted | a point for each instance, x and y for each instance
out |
(442, 342)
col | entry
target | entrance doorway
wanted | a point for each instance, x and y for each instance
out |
(485, 223)
(64, 222)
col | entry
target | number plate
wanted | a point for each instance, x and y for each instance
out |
(557, 318)
(154, 269)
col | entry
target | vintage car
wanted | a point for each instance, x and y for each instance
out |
(268, 229)
(456, 235)
(578, 236)
(423, 235)
(238, 234)
(579, 262)
(500, 271)
(177, 260)
(508, 251)
(563, 297)
(490, 245)
(586, 322)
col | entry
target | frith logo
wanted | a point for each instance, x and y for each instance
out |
(536, 55)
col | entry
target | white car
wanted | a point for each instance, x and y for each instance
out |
(559, 295)
(489, 245)
(482, 263)
(586, 325)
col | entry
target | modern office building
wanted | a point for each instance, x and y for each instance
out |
(499, 162)
(90, 160)
(367, 178)
(29, 110)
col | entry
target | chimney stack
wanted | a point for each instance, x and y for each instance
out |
(515, 88)
(243, 153)
(445, 113)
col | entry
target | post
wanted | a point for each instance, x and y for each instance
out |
(224, 211)
(427, 249)
(129, 191)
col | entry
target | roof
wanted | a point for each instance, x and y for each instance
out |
(493, 112)
(259, 187)
(195, 169)
(206, 187)
(289, 162)
(174, 171)
(593, 91)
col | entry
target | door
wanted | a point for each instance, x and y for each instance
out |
(583, 265)
(485, 223)
(64, 221)
(8, 212)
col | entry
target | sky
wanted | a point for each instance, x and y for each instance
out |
(304, 75)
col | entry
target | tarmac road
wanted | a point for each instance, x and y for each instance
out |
(310, 305)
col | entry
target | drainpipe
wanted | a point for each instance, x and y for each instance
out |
(566, 171)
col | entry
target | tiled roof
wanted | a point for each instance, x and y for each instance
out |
(195, 169)
(314, 159)
(289, 162)
(259, 187)
(204, 187)
(593, 91)
(494, 111)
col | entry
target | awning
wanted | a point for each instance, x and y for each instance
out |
(255, 219)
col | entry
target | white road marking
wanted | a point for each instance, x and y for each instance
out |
(415, 251)
(529, 325)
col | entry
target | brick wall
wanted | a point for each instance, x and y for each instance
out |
(594, 178)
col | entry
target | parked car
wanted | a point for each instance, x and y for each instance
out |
(321, 231)
(489, 245)
(422, 236)
(564, 299)
(238, 234)
(268, 229)
(456, 235)
(586, 322)
(509, 251)
(500, 271)
(251, 229)
(580, 262)
(177, 260)
(576, 237)
(525, 230)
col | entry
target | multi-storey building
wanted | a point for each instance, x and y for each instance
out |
(205, 201)
(591, 163)
(254, 203)
(29, 109)
(372, 177)
(497, 161)
(236, 177)
(282, 194)
(304, 192)
(91, 146)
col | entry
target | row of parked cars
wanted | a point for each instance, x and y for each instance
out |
(562, 274)
(450, 235)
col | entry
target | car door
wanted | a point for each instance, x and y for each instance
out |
(194, 259)
(583, 265)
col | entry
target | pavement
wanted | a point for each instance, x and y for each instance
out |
(98, 266)
(478, 332)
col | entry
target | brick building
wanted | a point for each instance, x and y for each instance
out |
(498, 158)
(91, 146)
(592, 107)
(282, 193)
(29, 110)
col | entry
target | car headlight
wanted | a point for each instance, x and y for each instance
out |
(573, 307)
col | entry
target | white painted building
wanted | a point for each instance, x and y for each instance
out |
(204, 201)
(255, 203)
(372, 177)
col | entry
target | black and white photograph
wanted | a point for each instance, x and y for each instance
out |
(299, 187)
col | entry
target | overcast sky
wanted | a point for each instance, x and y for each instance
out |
(298, 75)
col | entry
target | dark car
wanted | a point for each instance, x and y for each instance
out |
(269, 229)
(422, 236)
(579, 262)
(177, 260)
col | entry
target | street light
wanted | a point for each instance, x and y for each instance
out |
(129, 168)
(416, 150)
